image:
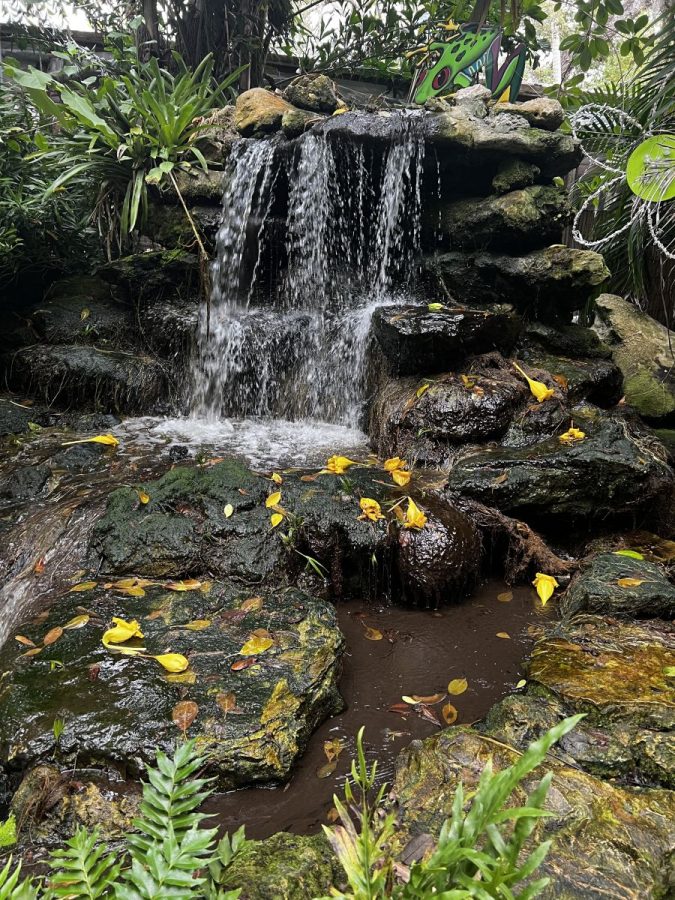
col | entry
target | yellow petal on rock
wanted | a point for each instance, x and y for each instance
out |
(630, 582)
(421, 390)
(449, 714)
(545, 585)
(572, 436)
(122, 631)
(338, 465)
(273, 499)
(401, 477)
(457, 686)
(537, 388)
(256, 644)
(229, 509)
(276, 478)
(77, 622)
(188, 584)
(276, 519)
(107, 439)
(370, 509)
(414, 517)
(143, 497)
(82, 586)
(172, 662)
(394, 463)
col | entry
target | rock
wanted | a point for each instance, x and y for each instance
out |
(597, 588)
(171, 326)
(84, 376)
(24, 483)
(258, 111)
(218, 135)
(519, 220)
(416, 340)
(197, 187)
(573, 341)
(83, 310)
(607, 841)
(548, 283)
(296, 121)
(168, 226)
(154, 274)
(540, 113)
(618, 469)
(117, 709)
(597, 380)
(430, 428)
(316, 93)
(283, 867)
(81, 457)
(15, 418)
(513, 174)
(643, 350)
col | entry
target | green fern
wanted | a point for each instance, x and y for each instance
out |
(84, 868)
(12, 887)
(8, 832)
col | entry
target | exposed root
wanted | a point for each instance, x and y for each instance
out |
(526, 552)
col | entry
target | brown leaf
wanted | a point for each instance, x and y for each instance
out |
(24, 640)
(372, 634)
(505, 596)
(428, 713)
(449, 714)
(93, 672)
(52, 636)
(184, 714)
(402, 709)
(252, 603)
(500, 479)
(39, 566)
(504, 634)
(333, 748)
(332, 815)
(562, 381)
(243, 663)
(227, 702)
(432, 698)
(326, 769)
(33, 652)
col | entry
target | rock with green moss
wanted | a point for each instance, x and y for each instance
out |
(621, 586)
(542, 112)
(607, 841)
(263, 671)
(619, 468)
(83, 310)
(296, 121)
(518, 220)
(217, 136)
(513, 174)
(571, 341)
(597, 380)
(154, 274)
(643, 350)
(283, 867)
(258, 112)
(316, 93)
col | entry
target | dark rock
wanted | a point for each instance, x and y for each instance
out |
(83, 310)
(296, 121)
(178, 453)
(519, 220)
(118, 708)
(416, 340)
(549, 283)
(86, 376)
(197, 187)
(429, 428)
(170, 325)
(157, 273)
(597, 588)
(573, 341)
(607, 841)
(283, 867)
(540, 113)
(15, 418)
(24, 483)
(168, 226)
(81, 457)
(316, 93)
(513, 174)
(597, 380)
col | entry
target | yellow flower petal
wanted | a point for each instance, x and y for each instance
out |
(572, 436)
(371, 509)
(401, 477)
(537, 388)
(122, 631)
(228, 510)
(256, 644)
(276, 519)
(108, 439)
(394, 463)
(143, 497)
(273, 499)
(172, 662)
(276, 478)
(414, 517)
(338, 465)
(545, 585)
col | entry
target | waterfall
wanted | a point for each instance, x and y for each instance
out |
(291, 341)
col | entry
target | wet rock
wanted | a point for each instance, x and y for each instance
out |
(604, 585)
(83, 310)
(548, 283)
(514, 174)
(416, 340)
(572, 341)
(296, 121)
(607, 841)
(155, 274)
(450, 412)
(597, 380)
(169, 227)
(283, 867)
(171, 325)
(117, 709)
(316, 93)
(81, 457)
(518, 220)
(619, 468)
(87, 376)
(643, 350)
(218, 135)
(197, 187)
(24, 483)
(540, 113)
(258, 112)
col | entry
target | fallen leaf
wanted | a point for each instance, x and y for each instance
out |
(338, 465)
(172, 662)
(309, 477)
(184, 714)
(93, 672)
(370, 510)
(227, 702)
(84, 313)
(273, 499)
(39, 566)
(243, 664)
(401, 477)
(427, 713)
(333, 748)
(500, 479)
(632, 554)
(122, 631)
(251, 604)
(189, 584)
(107, 439)
(256, 644)
(197, 624)
(332, 815)
(125, 583)
(82, 586)
(276, 519)
(521, 683)
(431, 698)
(449, 714)
(562, 381)
(52, 636)
(468, 381)
(630, 582)
(537, 388)
(135, 591)
(669, 671)
(544, 585)
(421, 390)
(401, 708)
(505, 596)
(189, 676)
(504, 634)
(372, 634)
(33, 652)
(326, 769)
(435, 307)
(143, 497)
(457, 686)
(229, 509)
(77, 622)
(24, 640)
(276, 478)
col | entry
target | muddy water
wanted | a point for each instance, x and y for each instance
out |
(419, 653)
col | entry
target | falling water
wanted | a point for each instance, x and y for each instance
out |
(299, 348)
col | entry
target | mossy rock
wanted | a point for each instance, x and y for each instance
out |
(597, 380)
(607, 841)
(283, 867)
(153, 275)
(513, 174)
(316, 93)
(258, 111)
(621, 586)
(117, 709)
(83, 310)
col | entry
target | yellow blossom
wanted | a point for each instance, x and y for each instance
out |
(572, 436)
(338, 465)
(414, 517)
(401, 477)
(537, 388)
(273, 499)
(545, 585)
(122, 631)
(276, 519)
(172, 662)
(394, 463)
(370, 509)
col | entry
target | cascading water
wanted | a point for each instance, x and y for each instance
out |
(298, 348)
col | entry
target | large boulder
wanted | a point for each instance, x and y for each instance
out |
(316, 93)
(417, 340)
(618, 469)
(550, 283)
(259, 112)
(117, 709)
(644, 351)
(597, 380)
(542, 112)
(607, 841)
(82, 310)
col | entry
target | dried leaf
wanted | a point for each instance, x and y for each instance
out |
(562, 381)
(333, 748)
(52, 636)
(189, 584)
(184, 714)
(33, 652)
(427, 713)
(77, 622)
(24, 640)
(256, 644)
(449, 713)
(309, 477)
(135, 591)
(372, 634)
(505, 596)
(243, 664)
(457, 686)
(93, 672)
(273, 500)
(172, 662)
(276, 478)
(504, 634)
(229, 509)
(431, 698)
(39, 566)
(197, 624)
(251, 604)
(421, 390)
(630, 582)
(227, 702)
(326, 769)
(402, 709)
(189, 676)
(82, 586)
(632, 554)
(500, 479)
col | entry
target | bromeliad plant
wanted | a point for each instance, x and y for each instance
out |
(121, 133)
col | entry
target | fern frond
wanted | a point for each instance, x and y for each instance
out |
(13, 887)
(84, 868)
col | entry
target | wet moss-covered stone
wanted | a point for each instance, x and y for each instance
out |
(618, 468)
(571, 341)
(607, 841)
(155, 274)
(82, 309)
(117, 709)
(621, 586)
(316, 93)
(283, 867)
(416, 340)
(513, 174)
(597, 380)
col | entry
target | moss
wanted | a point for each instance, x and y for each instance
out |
(647, 392)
